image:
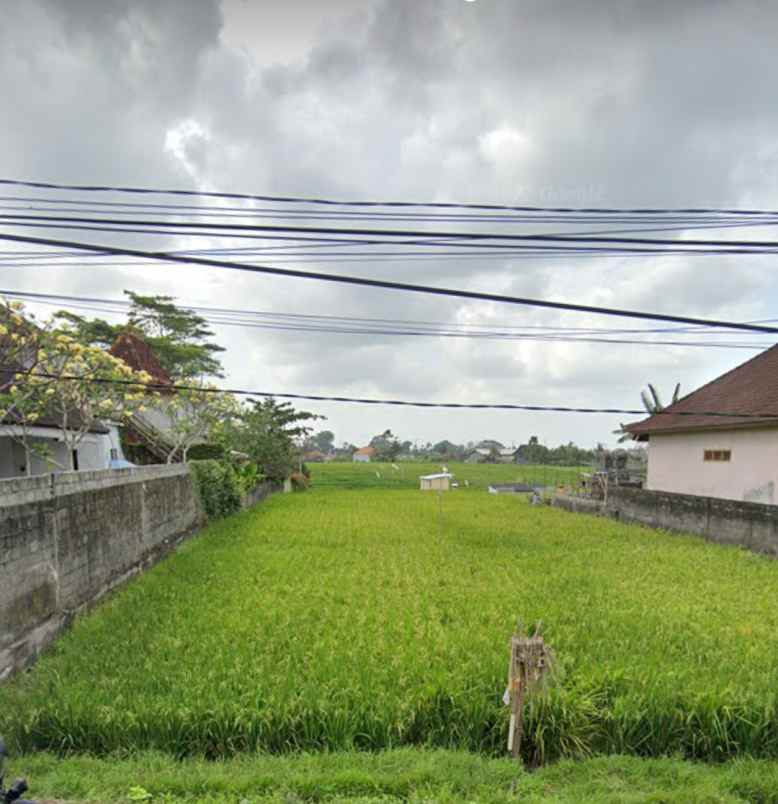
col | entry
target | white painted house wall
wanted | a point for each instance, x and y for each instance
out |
(675, 464)
(94, 451)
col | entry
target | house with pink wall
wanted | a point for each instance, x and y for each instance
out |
(722, 439)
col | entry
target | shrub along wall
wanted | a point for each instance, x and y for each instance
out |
(218, 487)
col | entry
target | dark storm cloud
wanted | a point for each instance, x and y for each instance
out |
(620, 103)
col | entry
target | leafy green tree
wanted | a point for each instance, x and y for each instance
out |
(179, 337)
(324, 441)
(386, 445)
(270, 433)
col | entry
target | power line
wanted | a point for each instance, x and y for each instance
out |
(98, 188)
(396, 402)
(110, 224)
(645, 224)
(387, 284)
(346, 325)
(269, 233)
(124, 303)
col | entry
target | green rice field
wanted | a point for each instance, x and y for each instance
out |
(362, 619)
(475, 476)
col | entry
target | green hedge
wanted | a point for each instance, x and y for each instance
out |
(218, 487)
(202, 452)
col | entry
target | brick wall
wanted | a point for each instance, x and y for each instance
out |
(67, 539)
(748, 524)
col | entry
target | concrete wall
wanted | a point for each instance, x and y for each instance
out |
(675, 464)
(258, 493)
(747, 524)
(67, 539)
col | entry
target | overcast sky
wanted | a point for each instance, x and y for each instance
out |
(555, 103)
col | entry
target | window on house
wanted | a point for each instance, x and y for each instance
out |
(717, 455)
(75, 459)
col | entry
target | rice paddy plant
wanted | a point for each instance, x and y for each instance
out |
(348, 620)
(470, 476)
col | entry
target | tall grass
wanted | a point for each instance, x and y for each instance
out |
(351, 620)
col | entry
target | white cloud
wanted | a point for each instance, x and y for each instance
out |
(505, 148)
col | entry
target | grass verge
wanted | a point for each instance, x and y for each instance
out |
(402, 775)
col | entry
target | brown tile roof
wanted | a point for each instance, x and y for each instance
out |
(751, 388)
(138, 355)
(366, 451)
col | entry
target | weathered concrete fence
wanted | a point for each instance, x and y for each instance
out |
(747, 524)
(67, 539)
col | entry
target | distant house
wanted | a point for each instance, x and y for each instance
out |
(314, 456)
(438, 482)
(732, 456)
(364, 455)
(491, 455)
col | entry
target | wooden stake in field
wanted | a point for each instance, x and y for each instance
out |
(530, 660)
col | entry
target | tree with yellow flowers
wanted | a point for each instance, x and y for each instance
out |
(194, 414)
(46, 373)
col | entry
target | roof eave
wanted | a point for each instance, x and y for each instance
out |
(642, 434)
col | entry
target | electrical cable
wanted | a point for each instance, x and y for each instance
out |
(99, 188)
(214, 228)
(388, 285)
(343, 325)
(396, 402)
(125, 304)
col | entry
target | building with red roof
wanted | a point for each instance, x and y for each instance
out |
(138, 355)
(722, 439)
(364, 455)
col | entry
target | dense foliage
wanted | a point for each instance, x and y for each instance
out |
(218, 487)
(268, 433)
(179, 337)
(362, 619)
